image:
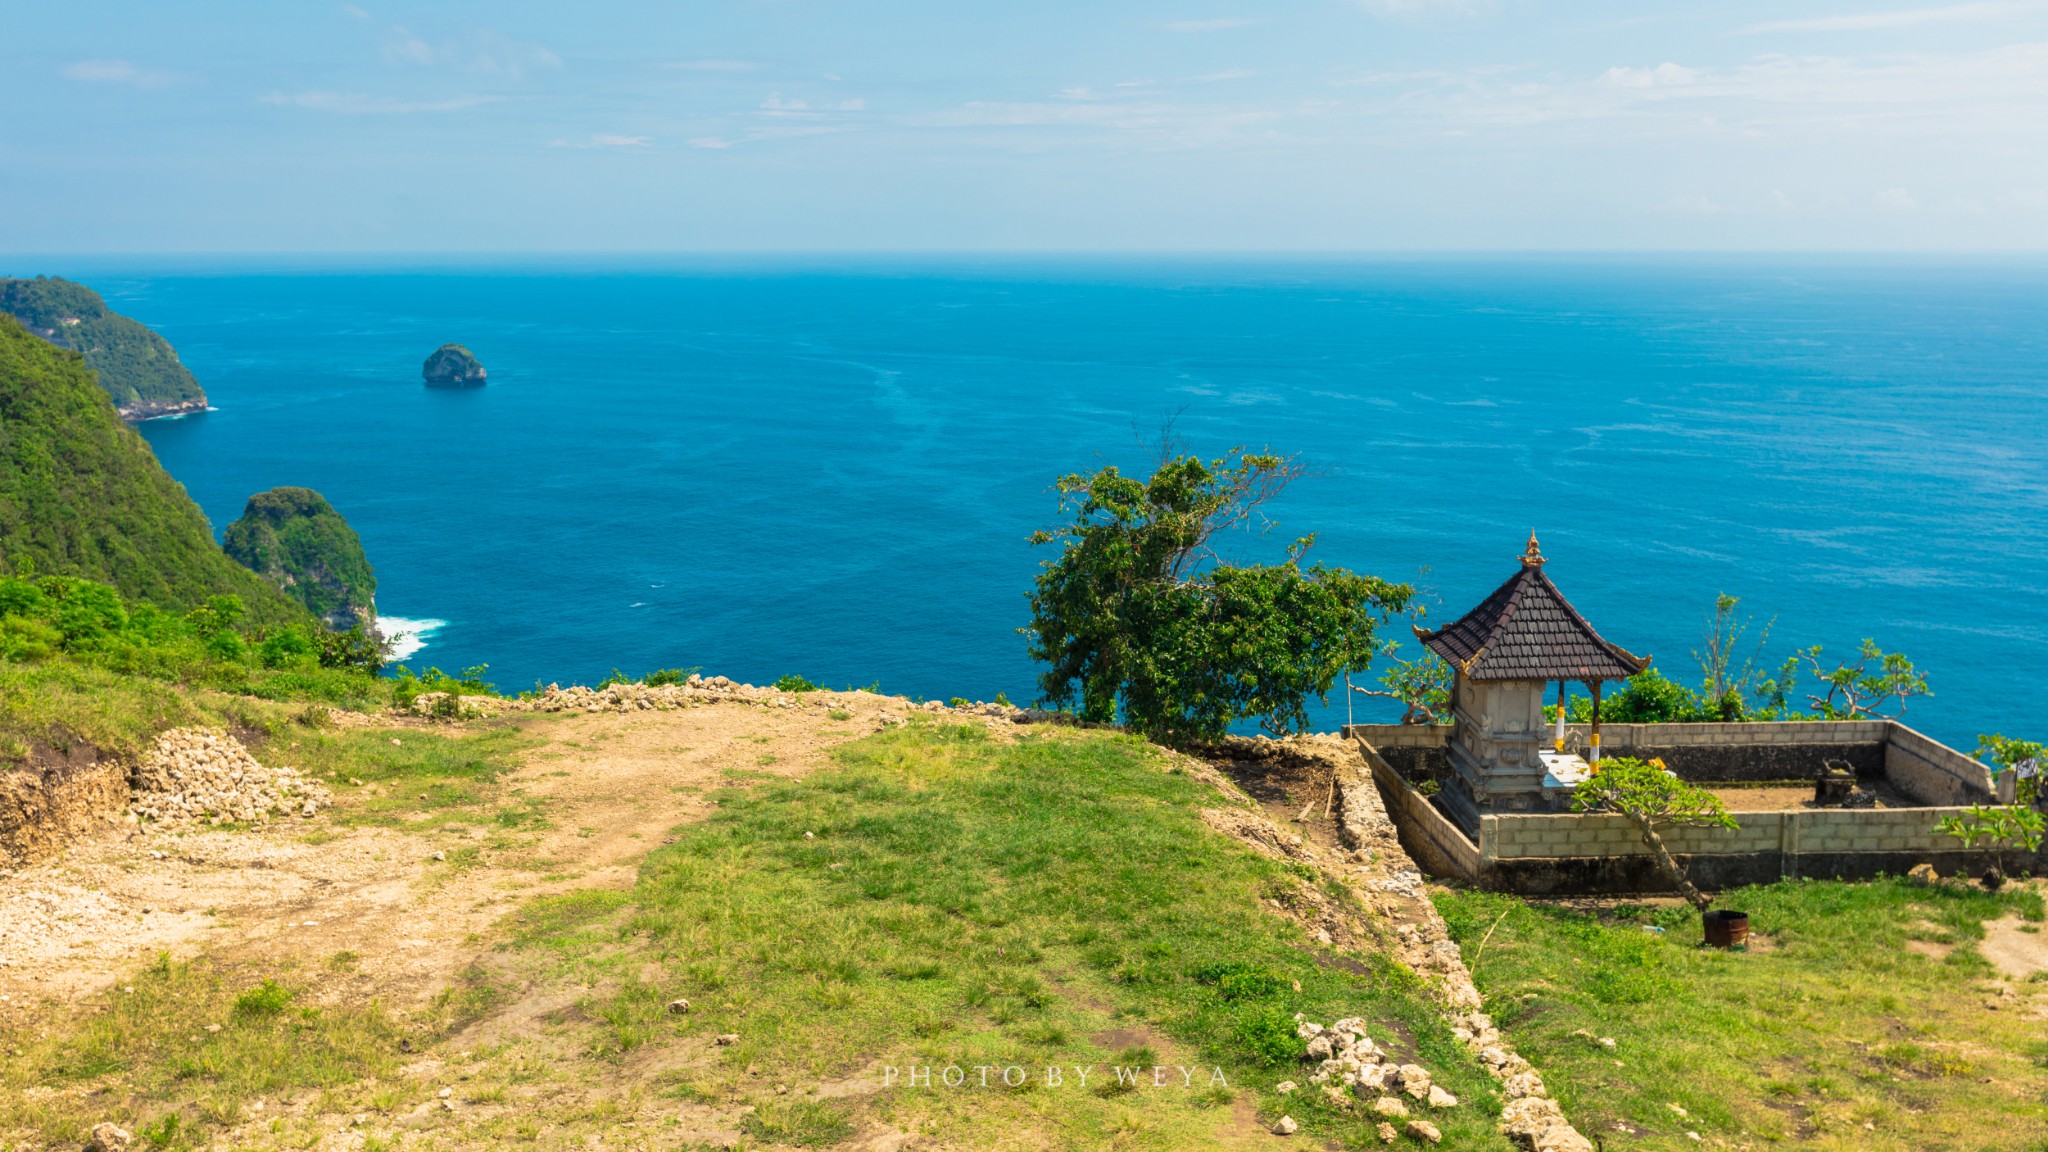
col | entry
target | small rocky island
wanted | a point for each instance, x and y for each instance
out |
(295, 539)
(452, 366)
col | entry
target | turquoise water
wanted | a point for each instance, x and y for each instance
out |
(762, 468)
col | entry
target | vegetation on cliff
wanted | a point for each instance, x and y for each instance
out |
(295, 539)
(82, 495)
(1141, 622)
(453, 366)
(136, 366)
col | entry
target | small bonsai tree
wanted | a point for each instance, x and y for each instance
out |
(1652, 798)
(2000, 828)
(1877, 680)
(1423, 684)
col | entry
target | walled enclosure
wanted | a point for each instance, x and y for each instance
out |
(1571, 854)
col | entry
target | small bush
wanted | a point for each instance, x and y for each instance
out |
(266, 999)
(1237, 980)
(1266, 1036)
(794, 683)
(667, 676)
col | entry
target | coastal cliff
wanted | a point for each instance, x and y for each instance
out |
(452, 366)
(137, 367)
(83, 495)
(295, 539)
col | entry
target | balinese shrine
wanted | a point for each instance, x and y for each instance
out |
(1505, 654)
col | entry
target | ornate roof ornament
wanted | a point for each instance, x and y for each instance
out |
(1532, 557)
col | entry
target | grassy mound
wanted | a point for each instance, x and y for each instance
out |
(946, 901)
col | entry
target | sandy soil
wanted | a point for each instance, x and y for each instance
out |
(612, 785)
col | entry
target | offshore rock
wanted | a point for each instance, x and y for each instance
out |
(452, 366)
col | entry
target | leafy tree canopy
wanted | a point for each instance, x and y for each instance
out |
(1139, 619)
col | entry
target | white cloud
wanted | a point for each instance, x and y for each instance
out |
(605, 141)
(486, 53)
(712, 66)
(352, 10)
(852, 105)
(1663, 75)
(1226, 74)
(775, 103)
(118, 72)
(710, 142)
(1209, 25)
(1901, 18)
(360, 103)
(1897, 200)
(402, 47)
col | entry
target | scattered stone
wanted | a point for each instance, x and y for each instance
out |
(1415, 1080)
(213, 1027)
(1390, 1106)
(1286, 1126)
(1923, 874)
(108, 1138)
(1285, 1087)
(439, 856)
(1438, 1098)
(1424, 1130)
(678, 1007)
(1679, 1110)
(1388, 1133)
(728, 1038)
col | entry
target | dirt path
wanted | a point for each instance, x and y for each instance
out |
(609, 784)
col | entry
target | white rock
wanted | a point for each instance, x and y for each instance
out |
(1438, 1098)
(1286, 1126)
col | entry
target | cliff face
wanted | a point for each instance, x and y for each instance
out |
(452, 366)
(137, 367)
(295, 539)
(82, 495)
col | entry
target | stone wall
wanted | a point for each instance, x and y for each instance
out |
(1565, 853)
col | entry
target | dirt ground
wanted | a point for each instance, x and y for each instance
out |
(611, 784)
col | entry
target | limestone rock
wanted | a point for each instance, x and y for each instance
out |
(1438, 1098)
(452, 366)
(1390, 1106)
(678, 1007)
(1286, 1127)
(1415, 1080)
(193, 775)
(1388, 1133)
(1923, 874)
(109, 1138)
(1424, 1130)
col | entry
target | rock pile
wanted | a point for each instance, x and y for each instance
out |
(1530, 1117)
(1351, 1062)
(198, 775)
(630, 697)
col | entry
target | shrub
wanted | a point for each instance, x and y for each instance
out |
(266, 999)
(794, 683)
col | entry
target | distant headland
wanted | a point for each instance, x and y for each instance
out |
(452, 366)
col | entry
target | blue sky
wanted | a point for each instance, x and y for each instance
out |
(1200, 125)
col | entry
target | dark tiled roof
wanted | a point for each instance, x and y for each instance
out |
(1527, 630)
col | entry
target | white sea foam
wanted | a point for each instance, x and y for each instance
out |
(407, 636)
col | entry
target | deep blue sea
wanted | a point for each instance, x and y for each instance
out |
(764, 467)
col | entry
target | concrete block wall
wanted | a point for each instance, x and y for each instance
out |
(1932, 772)
(1905, 830)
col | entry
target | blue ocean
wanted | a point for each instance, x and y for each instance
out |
(760, 467)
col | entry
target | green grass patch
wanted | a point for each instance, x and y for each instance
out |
(1831, 1033)
(965, 903)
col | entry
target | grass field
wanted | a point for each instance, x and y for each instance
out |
(934, 898)
(1864, 1018)
(944, 900)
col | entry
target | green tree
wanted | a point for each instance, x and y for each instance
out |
(1423, 684)
(1139, 619)
(1877, 680)
(1653, 799)
(1999, 827)
(2007, 753)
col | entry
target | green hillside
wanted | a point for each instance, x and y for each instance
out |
(82, 495)
(135, 365)
(294, 538)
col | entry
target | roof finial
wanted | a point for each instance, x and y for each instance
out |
(1533, 558)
